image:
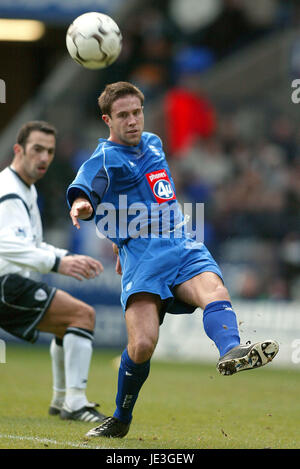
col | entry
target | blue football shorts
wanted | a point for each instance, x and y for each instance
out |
(157, 265)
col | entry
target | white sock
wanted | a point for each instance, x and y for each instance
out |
(78, 353)
(58, 373)
(75, 399)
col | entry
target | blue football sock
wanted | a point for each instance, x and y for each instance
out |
(131, 378)
(220, 325)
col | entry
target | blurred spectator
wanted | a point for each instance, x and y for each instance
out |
(231, 30)
(283, 133)
(187, 117)
(192, 15)
(148, 48)
(207, 161)
(263, 14)
(189, 61)
(250, 285)
(278, 289)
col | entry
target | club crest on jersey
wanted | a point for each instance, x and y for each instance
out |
(161, 186)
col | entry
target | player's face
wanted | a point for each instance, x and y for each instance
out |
(34, 160)
(126, 122)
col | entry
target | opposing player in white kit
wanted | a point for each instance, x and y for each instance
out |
(28, 306)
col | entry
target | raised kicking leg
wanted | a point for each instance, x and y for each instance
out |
(207, 291)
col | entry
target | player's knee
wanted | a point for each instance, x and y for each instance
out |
(142, 349)
(221, 293)
(89, 316)
(218, 293)
(85, 316)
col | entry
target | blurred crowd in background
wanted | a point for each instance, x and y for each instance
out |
(242, 162)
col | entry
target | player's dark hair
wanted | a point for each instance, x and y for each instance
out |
(31, 126)
(117, 90)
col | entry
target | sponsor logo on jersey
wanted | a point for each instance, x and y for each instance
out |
(161, 186)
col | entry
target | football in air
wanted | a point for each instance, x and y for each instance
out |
(94, 40)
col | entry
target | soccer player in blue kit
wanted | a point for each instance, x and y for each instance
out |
(163, 270)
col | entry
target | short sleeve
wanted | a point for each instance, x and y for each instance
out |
(92, 179)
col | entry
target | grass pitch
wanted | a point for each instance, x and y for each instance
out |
(181, 406)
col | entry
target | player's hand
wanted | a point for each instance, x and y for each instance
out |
(115, 249)
(81, 209)
(80, 267)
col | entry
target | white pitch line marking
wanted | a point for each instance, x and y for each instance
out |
(49, 441)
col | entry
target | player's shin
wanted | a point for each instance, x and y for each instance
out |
(78, 353)
(220, 325)
(131, 378)
(58, 375)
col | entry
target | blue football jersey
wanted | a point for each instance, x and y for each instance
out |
(130, 188)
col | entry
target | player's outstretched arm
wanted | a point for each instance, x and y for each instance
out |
(79, 266)
(81, 209)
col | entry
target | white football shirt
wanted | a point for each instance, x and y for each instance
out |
(22, 249)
